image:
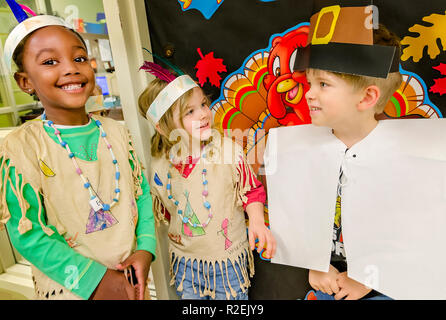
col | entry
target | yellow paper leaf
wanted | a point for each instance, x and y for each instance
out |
(428, 36)
(46, 170)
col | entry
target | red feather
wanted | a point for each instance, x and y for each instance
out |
(157, 71)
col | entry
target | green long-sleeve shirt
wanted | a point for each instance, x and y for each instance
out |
(51, 254)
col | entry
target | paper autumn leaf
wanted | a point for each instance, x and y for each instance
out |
(440, 84)
(209, 68)
(428, 36)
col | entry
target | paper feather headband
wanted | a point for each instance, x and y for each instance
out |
(26, 26)
(177, 86)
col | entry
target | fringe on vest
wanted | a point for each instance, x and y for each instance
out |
(137, 170)
(53, 291)
(245, 181)
(24, 224)
(245, 262)
(159, 212)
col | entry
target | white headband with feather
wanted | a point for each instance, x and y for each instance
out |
(25, 28)
(167, 97)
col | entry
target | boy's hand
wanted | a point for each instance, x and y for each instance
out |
(350, 289)
(140, 261)
(324, 281)
(258, 230)
(113, 286)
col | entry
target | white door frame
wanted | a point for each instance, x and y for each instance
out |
(129, 33)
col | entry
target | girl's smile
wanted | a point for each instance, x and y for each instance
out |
(197, 119)
(73, 87)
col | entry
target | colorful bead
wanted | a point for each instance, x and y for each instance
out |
(71, 155)
(205, 193)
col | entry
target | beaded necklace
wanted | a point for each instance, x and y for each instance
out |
(206, 204)
(95, 202)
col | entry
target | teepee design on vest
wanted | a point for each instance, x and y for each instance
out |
(187, 229)
(100, 220)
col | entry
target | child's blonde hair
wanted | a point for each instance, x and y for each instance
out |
(161, 144)
(388, 86)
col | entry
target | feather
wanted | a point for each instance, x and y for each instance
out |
(173, 67)
(157, 71)
(28, 9)
(19, 14)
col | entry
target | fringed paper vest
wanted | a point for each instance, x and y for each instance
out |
(224, 238)
(45, 166)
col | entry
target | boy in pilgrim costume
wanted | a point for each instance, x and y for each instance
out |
(74, 199)
(359, 202)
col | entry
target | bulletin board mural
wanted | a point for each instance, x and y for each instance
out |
(242, 53)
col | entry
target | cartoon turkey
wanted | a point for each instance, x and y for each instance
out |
(264, 93)
(287, 87)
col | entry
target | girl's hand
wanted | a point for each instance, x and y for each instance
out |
(258, 230)
(113, 286)
(325, 281)
(349, 288)
(140, 261)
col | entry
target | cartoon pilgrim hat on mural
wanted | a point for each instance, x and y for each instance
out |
(392, 188)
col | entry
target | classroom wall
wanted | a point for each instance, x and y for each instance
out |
(87, 8)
